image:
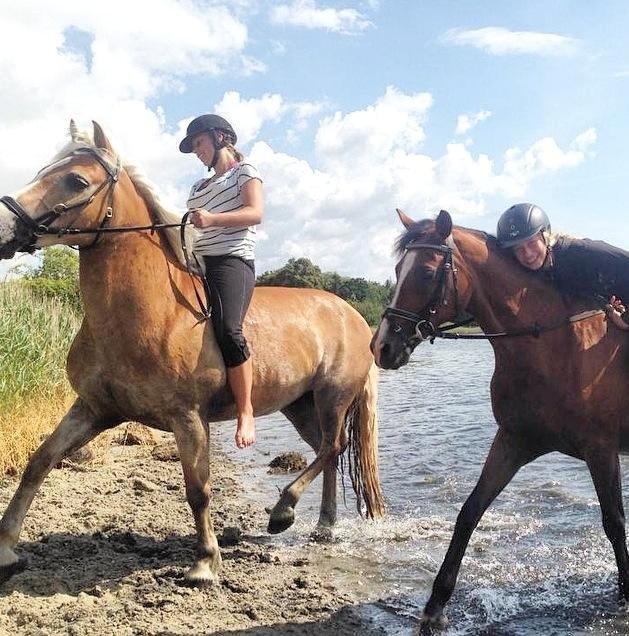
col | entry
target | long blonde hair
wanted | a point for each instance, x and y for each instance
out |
(236, 154)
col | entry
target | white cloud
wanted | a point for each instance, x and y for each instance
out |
(368, 135)
(247, 116)
(340, 213)
(124, 65)
(337, 209)
(586, 139)
(277, 47)
(306, 13)
(501, 41)
(464, 123)
(542, 157)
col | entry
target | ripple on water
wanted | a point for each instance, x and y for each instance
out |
(538, 563)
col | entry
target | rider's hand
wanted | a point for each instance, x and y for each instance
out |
(201, 218)
(615, 310)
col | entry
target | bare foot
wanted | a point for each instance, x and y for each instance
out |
(245, 431)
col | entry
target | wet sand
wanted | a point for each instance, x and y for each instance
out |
(108, 543)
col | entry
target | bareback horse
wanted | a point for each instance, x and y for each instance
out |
(560, 380)
(143, 352)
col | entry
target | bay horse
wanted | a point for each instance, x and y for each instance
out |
(560, 380)
(142, 352)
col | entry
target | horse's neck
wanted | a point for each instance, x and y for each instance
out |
(505, 296)
(126, 276)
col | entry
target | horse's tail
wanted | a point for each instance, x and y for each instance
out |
(361, 421)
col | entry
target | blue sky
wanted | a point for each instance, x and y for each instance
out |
(350, 109)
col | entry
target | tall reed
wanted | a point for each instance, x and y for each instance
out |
(35, 335)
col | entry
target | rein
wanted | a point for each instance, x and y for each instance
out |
(40, 225)
(534, 330)
(426, 330)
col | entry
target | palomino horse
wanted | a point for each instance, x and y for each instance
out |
(143, 354)
(560, 379)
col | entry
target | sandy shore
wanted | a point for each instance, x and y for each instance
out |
(108, 543)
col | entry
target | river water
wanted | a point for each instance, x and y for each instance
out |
(539, 562)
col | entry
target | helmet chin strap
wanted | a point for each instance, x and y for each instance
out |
(217, 149)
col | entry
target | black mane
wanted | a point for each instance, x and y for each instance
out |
(421, 230)
(416, 231)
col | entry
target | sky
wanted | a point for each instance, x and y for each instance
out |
(349, 109)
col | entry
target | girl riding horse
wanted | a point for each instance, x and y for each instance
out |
(226, 208)
(561, 372)
(577, 267)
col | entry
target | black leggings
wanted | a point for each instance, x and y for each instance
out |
(231, 280)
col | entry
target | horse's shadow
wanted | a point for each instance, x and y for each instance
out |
(70, 563)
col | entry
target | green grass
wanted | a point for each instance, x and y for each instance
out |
(35, 335)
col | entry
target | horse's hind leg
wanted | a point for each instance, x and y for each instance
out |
(330, 414)
(78, 427)
(303, 416)
(605, 470)
(505, 458)
(192, 437)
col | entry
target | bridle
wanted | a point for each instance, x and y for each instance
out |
(40, 225)
(425, 329)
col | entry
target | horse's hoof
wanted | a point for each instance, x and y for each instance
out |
(200, 576)
(430, 624)
(280, 520)
(322, 534)
(7, 571)
(200, 582)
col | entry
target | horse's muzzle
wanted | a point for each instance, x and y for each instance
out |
(390, 354)
(14, 236)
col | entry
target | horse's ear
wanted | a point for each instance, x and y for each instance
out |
(100, 139)
(407, 222)
(443, 224)
(74, 131)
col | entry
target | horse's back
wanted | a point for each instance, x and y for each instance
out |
(304, 308)
(307, 329)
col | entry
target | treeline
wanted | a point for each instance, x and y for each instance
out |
(368, 297)
(57, 276)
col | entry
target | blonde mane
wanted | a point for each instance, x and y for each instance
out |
(145, 188)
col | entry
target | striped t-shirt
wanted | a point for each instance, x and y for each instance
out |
(223, 194)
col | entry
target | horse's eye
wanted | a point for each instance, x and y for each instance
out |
(428, 275)
(76, 182)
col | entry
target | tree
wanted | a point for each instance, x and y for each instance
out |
(57, 276)
(367, 297)
(298, 272)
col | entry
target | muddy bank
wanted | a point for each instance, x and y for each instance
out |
(108, 543)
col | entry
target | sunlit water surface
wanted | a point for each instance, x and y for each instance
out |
(538, 563)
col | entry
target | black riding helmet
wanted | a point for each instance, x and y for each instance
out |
(520, 223)
(207, 123)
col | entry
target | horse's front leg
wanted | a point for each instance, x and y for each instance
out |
(192, 437)
(506, 456)
(78, 427)
(605, 470)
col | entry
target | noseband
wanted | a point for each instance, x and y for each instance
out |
(425, 329)
(40, 225)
